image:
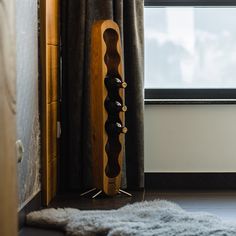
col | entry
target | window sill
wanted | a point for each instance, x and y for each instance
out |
(189, 101)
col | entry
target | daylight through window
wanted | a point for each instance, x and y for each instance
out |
(190, 47)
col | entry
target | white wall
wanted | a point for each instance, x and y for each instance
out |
(190, 138)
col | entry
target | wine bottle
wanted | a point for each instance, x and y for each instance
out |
(114, 82)
(115, 128)
(115, 106)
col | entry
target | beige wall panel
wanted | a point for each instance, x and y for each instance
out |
(8, 196)
(190, 138)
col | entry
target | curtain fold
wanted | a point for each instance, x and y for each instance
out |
(77, 19)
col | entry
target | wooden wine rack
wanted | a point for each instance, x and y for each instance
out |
(108, 147)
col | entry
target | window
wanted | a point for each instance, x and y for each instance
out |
(190, 51)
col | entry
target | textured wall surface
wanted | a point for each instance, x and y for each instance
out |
(28, 129)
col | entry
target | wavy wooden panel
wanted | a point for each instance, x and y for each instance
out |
(106, 63)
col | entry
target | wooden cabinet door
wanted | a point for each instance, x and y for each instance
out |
(49, 45)
(8, 189)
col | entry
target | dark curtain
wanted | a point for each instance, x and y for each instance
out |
(77, 17)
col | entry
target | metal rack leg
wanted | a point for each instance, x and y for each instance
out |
(98, 193)
(124, 192)
(87, 192)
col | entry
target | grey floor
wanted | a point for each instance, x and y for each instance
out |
(221, 203)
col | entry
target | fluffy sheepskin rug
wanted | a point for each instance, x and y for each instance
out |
(159, 218)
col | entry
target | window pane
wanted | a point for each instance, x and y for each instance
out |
(190, 47)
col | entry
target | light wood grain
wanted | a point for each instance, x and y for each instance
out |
(8, 196)
(52, 73)
(52, 22)
(51, 131)
(49, 39)
(52, 178)
(98, 72)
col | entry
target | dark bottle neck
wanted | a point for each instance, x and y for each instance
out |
(116, 128)
(114, 82)
(115, 106)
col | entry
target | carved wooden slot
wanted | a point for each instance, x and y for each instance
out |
(108, 109)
